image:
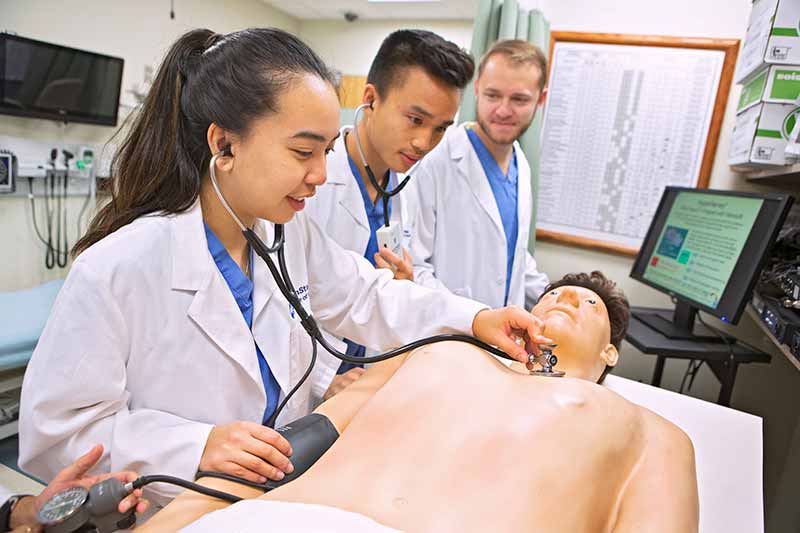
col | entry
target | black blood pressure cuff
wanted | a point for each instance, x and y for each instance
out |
(310, 437)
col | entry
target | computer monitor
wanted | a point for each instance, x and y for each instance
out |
(705, 248)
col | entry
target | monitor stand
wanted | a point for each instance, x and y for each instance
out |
(678, 325)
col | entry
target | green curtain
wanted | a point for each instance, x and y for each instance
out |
(504, 19)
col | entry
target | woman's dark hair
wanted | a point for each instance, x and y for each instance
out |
(439, 58)
(619, 310)
(206, 77)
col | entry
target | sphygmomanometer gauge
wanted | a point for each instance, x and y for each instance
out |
(63, 509)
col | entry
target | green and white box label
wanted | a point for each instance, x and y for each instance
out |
(777, 84)
(773, 37)
(760, 135)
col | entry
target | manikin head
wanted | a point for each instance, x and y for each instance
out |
(586, 315)
(509, 88)
(414, 87)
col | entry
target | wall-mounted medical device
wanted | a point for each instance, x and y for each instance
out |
(8, 172)
(45, 80)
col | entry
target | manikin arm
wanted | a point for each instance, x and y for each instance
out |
(189, 506)
(341, 409)
(665, 476)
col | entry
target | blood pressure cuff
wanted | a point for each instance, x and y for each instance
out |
(310, 437)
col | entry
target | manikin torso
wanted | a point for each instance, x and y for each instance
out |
(500, 451)
(449, 439)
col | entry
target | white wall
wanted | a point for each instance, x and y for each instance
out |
(140, 32)
(350, 46)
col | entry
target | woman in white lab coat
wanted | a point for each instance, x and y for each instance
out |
(168, 343)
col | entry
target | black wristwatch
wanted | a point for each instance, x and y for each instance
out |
(7, 508)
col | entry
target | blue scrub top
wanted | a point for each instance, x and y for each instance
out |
(375, 218)
(504, 188)
(242, 289)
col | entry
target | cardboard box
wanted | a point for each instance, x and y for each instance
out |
(773, 37)
(760, 136)
(776, 84)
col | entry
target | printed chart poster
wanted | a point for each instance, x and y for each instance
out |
(700, 245)
(621, 123)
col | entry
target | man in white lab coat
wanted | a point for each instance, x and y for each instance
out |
(412, 94)
(474, 193)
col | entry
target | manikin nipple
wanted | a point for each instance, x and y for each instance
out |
(568, 398)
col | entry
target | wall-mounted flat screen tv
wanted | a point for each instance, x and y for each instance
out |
(44, 80)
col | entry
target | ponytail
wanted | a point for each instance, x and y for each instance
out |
(152, 171)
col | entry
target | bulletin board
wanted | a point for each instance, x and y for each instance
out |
(625, 116)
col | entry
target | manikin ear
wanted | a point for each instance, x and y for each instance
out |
(610, 355)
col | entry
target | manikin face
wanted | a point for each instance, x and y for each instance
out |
(280, 161)
(506, 98)
(577, 321)
(409, 120)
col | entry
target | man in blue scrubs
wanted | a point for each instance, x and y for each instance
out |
(413, 90)
(474, 193)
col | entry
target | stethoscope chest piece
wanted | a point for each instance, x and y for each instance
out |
(547, 360)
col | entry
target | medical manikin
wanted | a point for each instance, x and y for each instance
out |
(450, 439)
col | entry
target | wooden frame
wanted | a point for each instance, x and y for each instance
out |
(731, 49)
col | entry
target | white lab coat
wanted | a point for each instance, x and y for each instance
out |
(458, 241)
(146, 349)
(338, 208)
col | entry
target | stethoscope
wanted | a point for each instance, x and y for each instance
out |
(281, 276)
(382, 192)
